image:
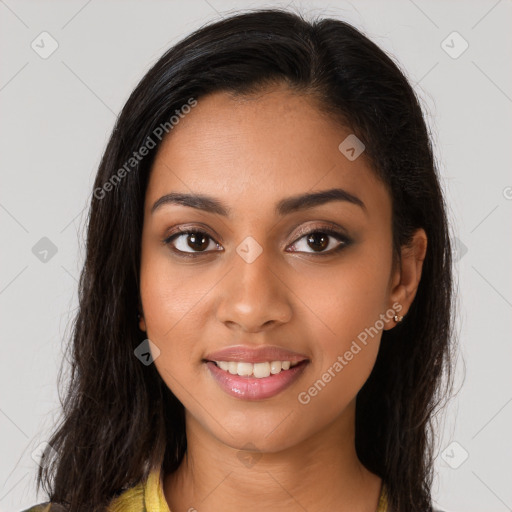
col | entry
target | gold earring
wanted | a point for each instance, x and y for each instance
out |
(398, 318)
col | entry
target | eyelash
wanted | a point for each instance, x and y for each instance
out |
(326, 230)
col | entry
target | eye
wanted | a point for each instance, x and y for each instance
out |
(320, 240)
(189, 242)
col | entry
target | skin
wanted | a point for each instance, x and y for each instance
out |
(251, 153)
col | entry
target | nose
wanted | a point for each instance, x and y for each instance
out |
(253, 296)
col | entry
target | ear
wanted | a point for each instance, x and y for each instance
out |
(140, 315)
(142, 322)
(407, 274)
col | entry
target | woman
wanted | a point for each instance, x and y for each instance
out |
(265, 316)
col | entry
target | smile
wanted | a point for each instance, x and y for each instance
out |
(255, 381)
(258, 370)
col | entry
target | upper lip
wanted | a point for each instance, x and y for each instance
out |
(248, 354)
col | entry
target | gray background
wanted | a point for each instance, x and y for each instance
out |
(57, 113)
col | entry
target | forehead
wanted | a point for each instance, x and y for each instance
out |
(253, 151)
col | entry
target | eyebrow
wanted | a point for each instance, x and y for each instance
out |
(283, 207)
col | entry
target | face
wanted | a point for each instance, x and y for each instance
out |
(253, 277)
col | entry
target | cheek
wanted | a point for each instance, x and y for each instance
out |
(350, 304)
(172, 308)
(174, 299)
(170, 294)
(349, 298)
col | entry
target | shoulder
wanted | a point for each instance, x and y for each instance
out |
(41, 507)
(147, 495)
(130, 499)
(383, 505)
(46, 507)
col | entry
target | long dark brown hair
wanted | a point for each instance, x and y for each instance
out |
(119, 418)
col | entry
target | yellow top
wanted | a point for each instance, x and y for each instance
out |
(149, 497)
(146, 496)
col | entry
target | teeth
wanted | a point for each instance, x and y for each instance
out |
(245, 369)
(223, 365)
(261, 370)
(258, 370)
(275, 367)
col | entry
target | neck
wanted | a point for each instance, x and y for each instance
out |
(321, 473)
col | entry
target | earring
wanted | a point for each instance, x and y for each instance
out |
(398, 318)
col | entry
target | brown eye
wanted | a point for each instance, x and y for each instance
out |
(191, 242)
(197, 241)
(320, 241)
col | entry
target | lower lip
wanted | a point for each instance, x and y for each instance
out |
(252, 388)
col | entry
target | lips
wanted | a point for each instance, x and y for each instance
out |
(262, 354)
(255, 373)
